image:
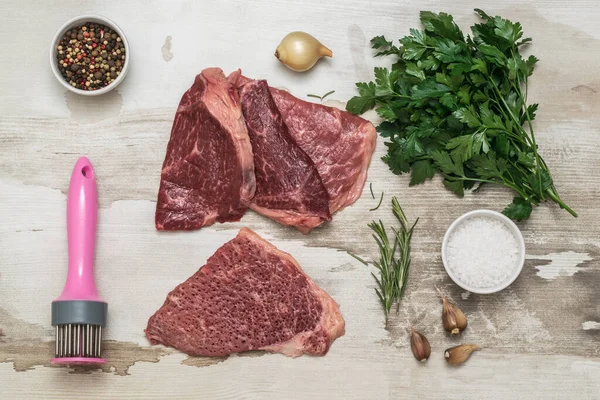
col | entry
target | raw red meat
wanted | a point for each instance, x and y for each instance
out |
(289, 188)
(339, 143)
(208, 172)
(248, 296)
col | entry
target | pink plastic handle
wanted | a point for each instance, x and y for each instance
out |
(82, 216)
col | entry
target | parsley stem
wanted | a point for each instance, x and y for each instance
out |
(401, 95)
(506, 108)
(465, 178)
(562, 204)
(539, 160)
(532, 138)
(506, 183)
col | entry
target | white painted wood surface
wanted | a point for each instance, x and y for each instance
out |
(540, 337)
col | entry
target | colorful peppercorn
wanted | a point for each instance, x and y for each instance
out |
(90, 47)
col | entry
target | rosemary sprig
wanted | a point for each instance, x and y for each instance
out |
(394, 259)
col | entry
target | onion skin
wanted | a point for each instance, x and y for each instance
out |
(300, 51)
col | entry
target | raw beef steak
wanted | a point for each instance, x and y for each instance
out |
(248, 296)
(288, 186)
(208, 172)
(339, 143)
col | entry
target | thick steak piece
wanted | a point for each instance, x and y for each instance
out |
(289, 188)
(248, 296)
(208, 172)
(339, 143)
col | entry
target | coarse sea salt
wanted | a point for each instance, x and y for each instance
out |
(482, 252)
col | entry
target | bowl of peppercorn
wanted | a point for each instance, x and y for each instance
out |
(89, 55)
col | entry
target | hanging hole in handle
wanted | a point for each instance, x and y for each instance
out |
(87, 172)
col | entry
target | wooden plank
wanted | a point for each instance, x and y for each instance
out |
(540, 337)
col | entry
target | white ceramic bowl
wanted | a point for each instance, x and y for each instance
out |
(79, 21)
(510, 225)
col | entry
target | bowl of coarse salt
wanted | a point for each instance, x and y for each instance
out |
(483, 251)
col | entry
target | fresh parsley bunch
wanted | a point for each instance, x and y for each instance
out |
(458, 105)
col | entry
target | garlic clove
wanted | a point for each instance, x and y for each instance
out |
(300, 51)
(419, 345)
(459, 354)
(453, 318)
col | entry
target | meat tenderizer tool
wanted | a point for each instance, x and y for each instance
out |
(79, 314)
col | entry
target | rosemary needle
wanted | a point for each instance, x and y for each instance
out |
(327, 94)
(394, 259)
(358, 258)
(380, 200)
(371, 189)
(321, 97)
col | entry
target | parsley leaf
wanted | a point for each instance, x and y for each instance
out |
(414, 70)
(387, 129)
(519, 209)
(429, 89)
(455, 186)
(512, 32)
(421, 171)
(531, 109)
(447, 164)
(540, 182)
(449, 51)
(468, 116)
(493, 54)
(385, 81)
(384, 46)
(364, 101)
(441, 24)
(380, 42)
(488, 167)
(461, 147)
(414, 45)
(449, 101)
(360, 104)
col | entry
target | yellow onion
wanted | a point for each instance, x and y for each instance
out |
(299, 51)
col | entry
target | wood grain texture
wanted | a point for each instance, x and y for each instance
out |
(540, 337)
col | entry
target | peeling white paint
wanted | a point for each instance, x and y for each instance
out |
(561, 264)
(522, 320)
(488, 322)
(527, 321)
(589, 325)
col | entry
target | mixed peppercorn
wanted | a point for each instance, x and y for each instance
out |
(90, 56)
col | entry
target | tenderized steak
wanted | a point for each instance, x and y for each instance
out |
(339, 143)
(248, 296)
(289, 188)
(208, 172)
